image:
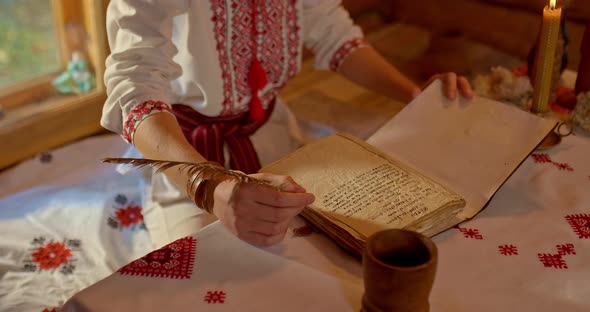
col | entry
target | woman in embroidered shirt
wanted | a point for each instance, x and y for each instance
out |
(207, 74)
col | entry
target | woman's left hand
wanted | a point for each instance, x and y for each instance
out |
(453, 85)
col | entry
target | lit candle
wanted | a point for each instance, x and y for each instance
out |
(546, 57)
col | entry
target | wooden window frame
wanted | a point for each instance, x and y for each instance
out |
(35, 117)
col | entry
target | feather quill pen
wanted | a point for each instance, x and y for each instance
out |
(195, 171)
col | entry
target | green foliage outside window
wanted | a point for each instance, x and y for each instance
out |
(28, 44)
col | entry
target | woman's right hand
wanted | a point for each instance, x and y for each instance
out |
(257, 214)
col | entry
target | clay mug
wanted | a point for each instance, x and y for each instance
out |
(398, 271)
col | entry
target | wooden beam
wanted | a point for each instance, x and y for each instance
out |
(49, 126)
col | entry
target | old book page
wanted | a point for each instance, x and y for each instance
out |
(358, 187)
(471, 147)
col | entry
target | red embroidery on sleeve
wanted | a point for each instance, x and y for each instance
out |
(344, 50)
(139, 113)
(174, 260)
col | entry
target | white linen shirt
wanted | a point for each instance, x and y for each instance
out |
(198, 52)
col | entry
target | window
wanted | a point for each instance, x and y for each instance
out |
(28, 43)
(37, 40)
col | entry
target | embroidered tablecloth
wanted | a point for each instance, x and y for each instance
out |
(66, 221)
(529, 250)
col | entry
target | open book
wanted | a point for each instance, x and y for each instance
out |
(435, 164)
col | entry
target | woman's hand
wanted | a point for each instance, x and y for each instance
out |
(257, 214)
(453, 84)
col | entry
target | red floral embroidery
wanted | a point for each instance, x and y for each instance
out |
(174, 260)
(139, 113)
(126, 214)
(215, 297)
(48, 310)
(546, 159)
(129, 215)
(47, 254)
(508, 250)
(566, 249)
(580, 223)
(470, 233)
(552, 261)
(51, 255)
(344, 50)
(279, 32)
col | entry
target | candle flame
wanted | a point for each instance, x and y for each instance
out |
(552, 4)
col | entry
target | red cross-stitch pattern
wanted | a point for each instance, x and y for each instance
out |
(580, 223)
(541, 158)
(563, 166)
(139, 113)
(344, 50)
(174, 260)
(215, 297)
(566, 249)
(546, 159)
(279, 33)
(470, 233)
(552, 261)
(508, 250)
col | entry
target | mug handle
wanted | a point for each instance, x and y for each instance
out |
(569, 131)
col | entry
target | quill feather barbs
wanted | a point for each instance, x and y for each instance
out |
(195, 171)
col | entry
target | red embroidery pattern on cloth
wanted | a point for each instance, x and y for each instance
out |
(139, 113)
(566, 249)
(344, 50)
(280, 45)
(50, 255)
(546, 159)
(174, 260)
(48, 310)
(126, 215)
(556, 260)
(470, 233)
(552, 261)
(215, 297)
(580, 223)
(508, 250)
(129, 215)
